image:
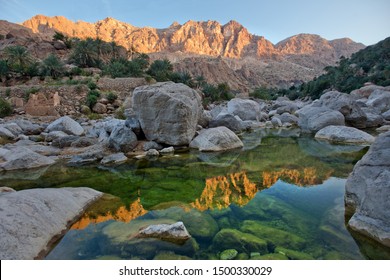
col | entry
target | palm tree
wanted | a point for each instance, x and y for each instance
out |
(86, 54)
(18, 58)
(52, 66)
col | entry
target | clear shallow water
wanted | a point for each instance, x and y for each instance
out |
(280, 197)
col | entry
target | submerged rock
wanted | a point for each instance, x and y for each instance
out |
(368, 191)
(114, 159)
(273, 235)
(216, 139)
(228, 254)
(176, 233)
(242, 242)
(33, 219)
(343, 134)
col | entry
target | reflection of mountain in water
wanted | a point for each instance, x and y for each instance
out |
(122, 214)
(306, 177)
(221, 191)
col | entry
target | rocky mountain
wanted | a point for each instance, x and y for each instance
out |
(221, 52)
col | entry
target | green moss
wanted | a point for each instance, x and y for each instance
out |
(228, 254)
(274, 256)
(273, 235)
(242, 242)
(293, 255)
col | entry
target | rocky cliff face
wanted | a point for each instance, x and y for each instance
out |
(249, 58)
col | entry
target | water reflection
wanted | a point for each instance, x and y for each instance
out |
(122, 214)
(258, 191)
(222, 191)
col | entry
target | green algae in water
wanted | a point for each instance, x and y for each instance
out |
(278, 198)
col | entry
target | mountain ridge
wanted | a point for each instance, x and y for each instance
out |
(231, 40)
(220, 52)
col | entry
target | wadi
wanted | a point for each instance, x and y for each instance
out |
(195, 141)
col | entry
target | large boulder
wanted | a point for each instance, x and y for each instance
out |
(67, 125)
(344, 134)
(312, 118)
(367, 194)
(168, 112)
(122, 139)
(28, 127)
(32, 220)
(22, 158)
(226, 120)
(379, 100)
(216, 139)
(345, 104)
(246, 109)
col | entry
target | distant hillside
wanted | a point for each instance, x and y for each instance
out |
(221, 53)
(371, 64)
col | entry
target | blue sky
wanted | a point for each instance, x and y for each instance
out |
(365, 21)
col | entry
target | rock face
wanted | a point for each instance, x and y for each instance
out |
(244, 108)
(344, 134)
(216, 139)
(219, 52)
(367, 194)
(67, 125)
(168, 112)
(312, 119)
(33, 219)
(176, 233)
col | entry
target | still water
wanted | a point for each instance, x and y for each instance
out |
(280, 197)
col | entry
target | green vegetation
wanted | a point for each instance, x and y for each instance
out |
(92, 98)
(5, 108)
(161, 70)
(53, 67)
(265, 93)
(4, 70)
(111, 97)
(18, 59)
(371, 64)
(216, 93)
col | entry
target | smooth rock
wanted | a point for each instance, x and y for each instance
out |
(114, 159)
(152, 145)
(168, 112)
(344, 134)
(246, 109)
(67, 125)
(176, 233)
(216, 139)
(53, 135)
(276, 122)
(312, 119)
(228, 121)
(65, 141)
(5, 133)
(32, 220)
(367, 193)
(28, 127)
(84, 142)
(169, 150)
(380, 100)
(23, 158)
(152, 153)
(228, 254)
(122, 139)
